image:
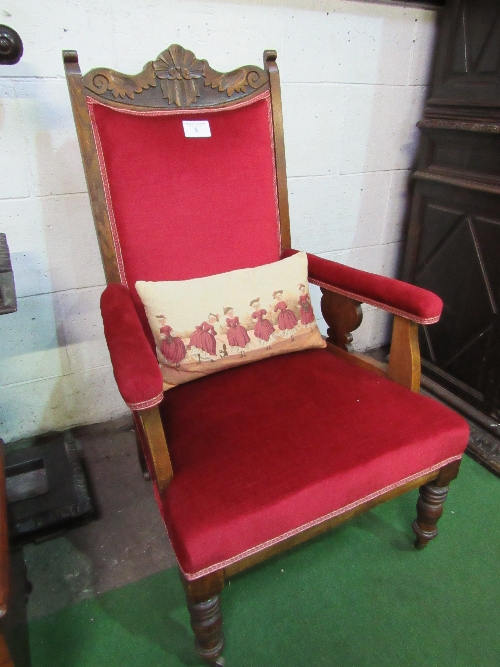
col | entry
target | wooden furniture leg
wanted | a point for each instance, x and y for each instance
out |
(430, 505)
(203, 601)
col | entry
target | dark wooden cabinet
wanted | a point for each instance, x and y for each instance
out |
(453, 243)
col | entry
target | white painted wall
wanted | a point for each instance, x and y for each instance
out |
(350, 145)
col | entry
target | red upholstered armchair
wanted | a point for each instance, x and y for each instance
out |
(342, 432)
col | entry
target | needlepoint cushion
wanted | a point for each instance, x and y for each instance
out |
(204, 325)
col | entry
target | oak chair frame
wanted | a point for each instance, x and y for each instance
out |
(342, 313)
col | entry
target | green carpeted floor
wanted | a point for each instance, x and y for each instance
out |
(360, 596)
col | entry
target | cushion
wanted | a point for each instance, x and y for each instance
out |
(205, 325)
(280, 445)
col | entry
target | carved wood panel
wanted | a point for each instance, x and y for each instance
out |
(453, 245)
(458, 259)
(469, 71)
(177, 78)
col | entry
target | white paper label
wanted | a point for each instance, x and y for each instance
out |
(196, 128)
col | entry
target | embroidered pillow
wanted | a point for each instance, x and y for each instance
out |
(205, 325)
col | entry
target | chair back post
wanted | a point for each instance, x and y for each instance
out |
(279, 146)
(91, 166)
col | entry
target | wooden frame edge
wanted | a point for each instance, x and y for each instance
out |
(404, 357)
(91, 166)
(295, 540)
(343, 315)
(279, 147)
(159, 457)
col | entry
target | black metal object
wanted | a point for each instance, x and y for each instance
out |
(46, 485)
(11, 46)
(8, 302)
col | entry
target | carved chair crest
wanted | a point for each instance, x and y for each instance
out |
(185, 82)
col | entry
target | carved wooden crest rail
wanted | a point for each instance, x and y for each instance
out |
(185, 82)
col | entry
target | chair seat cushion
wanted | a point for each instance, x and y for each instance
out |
(262, 451)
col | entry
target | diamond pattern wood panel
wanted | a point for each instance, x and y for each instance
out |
(454, 233)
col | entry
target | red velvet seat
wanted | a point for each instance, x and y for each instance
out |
(249, 461)
(282, 470)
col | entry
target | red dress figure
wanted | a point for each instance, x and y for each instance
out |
(237, 335)
(306, 309)
(287, 322)
(263, 328)
(172, 347)
(202, 341)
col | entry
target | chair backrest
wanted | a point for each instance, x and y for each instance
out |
(171, 207)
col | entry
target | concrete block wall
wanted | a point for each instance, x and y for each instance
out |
(350, 142)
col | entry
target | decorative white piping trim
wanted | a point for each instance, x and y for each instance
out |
(311, 524)
(107, 194)
(150, 403)
(185, 112)
(91, 102)
(379, 304)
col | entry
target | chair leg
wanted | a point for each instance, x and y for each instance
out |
(430, 505)
(203, 601)
(429, 510)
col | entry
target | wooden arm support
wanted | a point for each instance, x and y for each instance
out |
(344, 315)
(157, 455)
(404, 357)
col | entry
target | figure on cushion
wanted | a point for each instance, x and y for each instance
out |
(202, 341)
(237, 335)
(306, 309)
(171, 347)
(287, 322)
(263, 327)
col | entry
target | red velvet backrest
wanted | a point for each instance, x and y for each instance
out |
(188, 207)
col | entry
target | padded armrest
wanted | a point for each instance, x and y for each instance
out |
(135, 366)
(395, 296)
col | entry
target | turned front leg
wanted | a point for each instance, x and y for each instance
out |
(203, 601)
(430, 505)
(429, 511)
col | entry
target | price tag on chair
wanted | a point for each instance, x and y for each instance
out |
(196, 128)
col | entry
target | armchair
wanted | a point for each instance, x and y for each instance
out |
(253, 460)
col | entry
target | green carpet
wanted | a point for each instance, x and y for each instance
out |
(358, 596)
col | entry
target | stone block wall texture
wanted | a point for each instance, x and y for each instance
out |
(350, 141)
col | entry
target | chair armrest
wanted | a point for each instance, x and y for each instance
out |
(135, 366)
(395, 296)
